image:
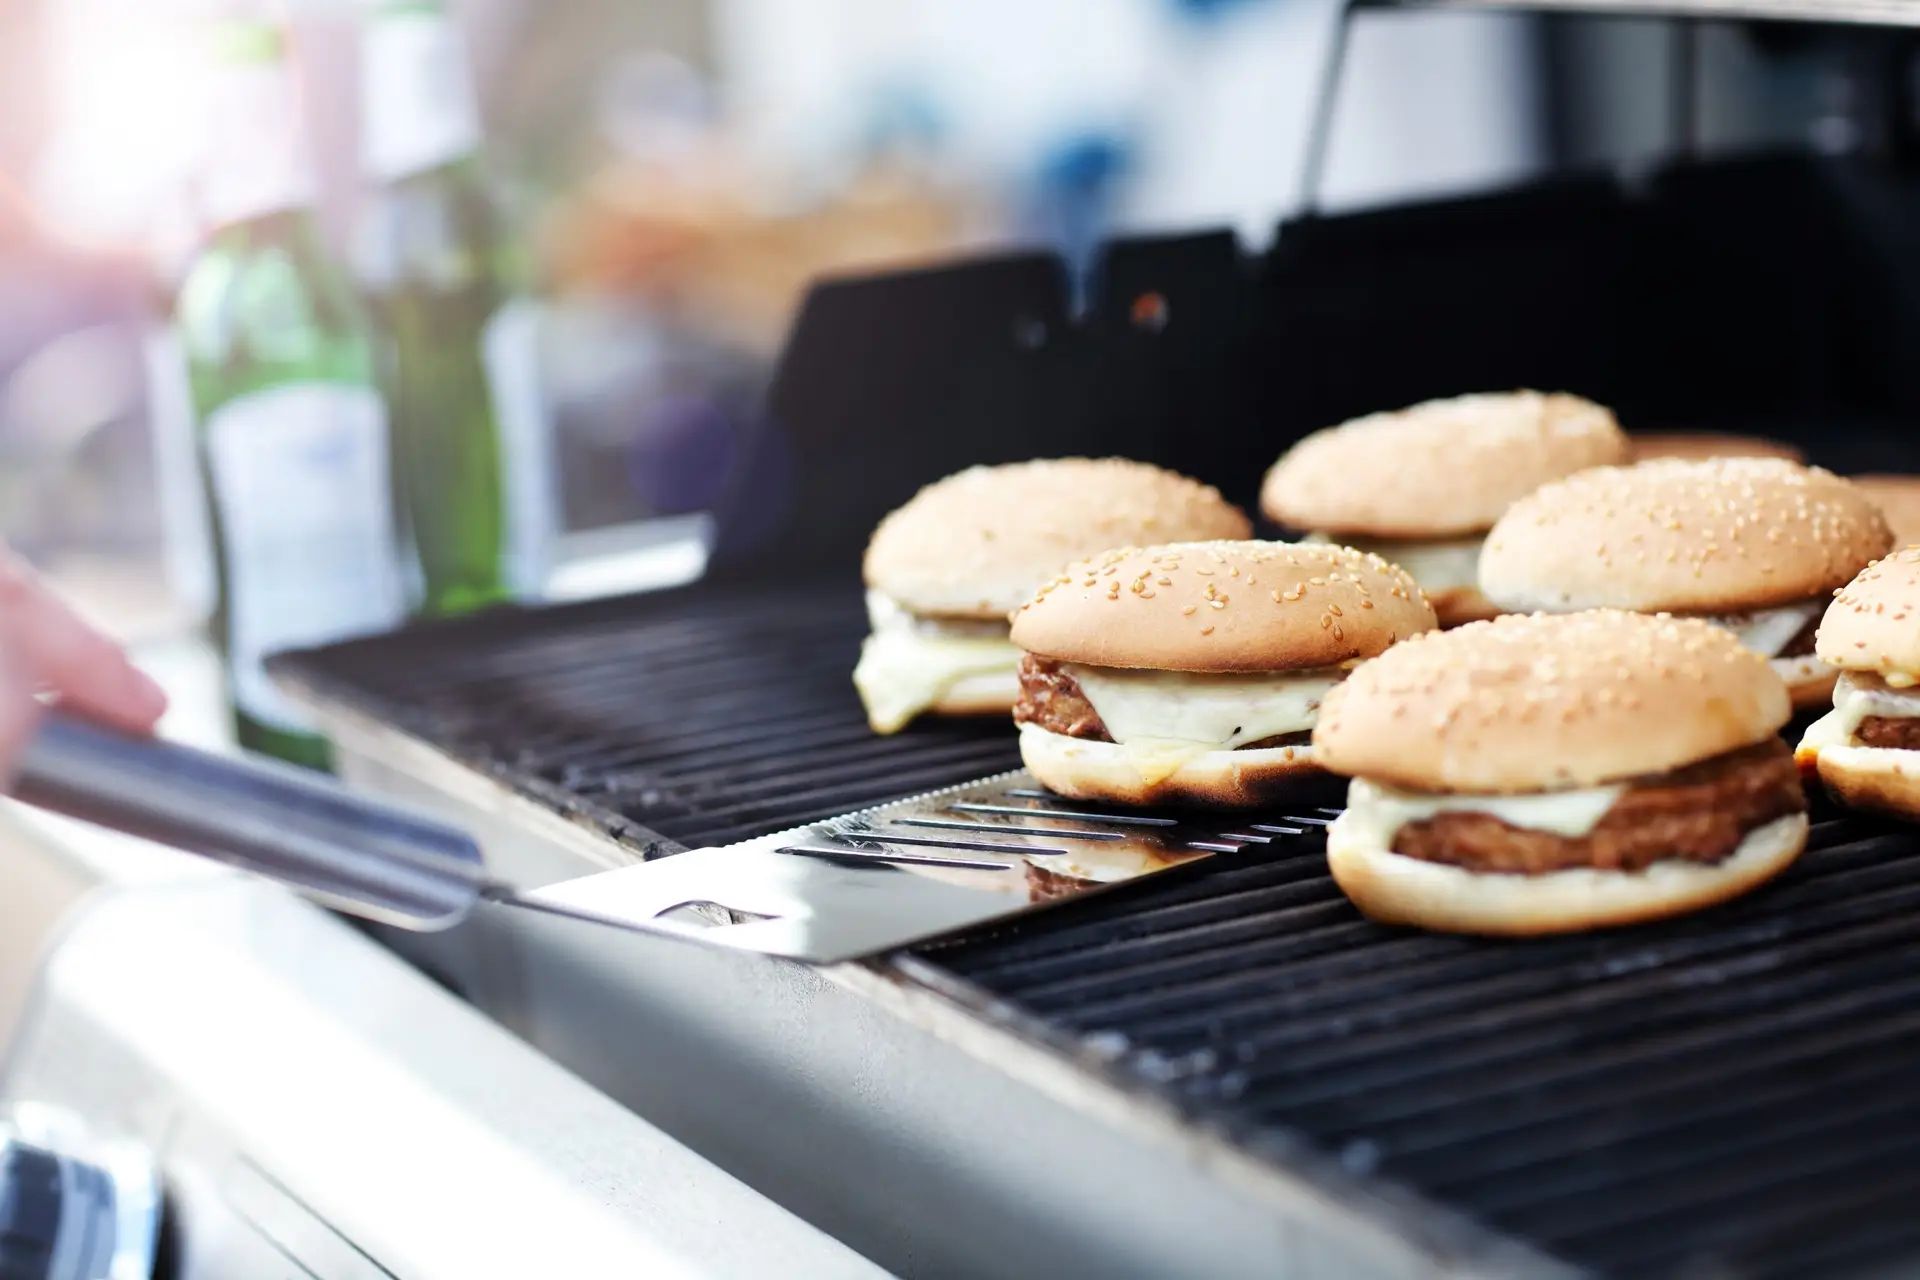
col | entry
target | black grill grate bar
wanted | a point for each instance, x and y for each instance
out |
(1671, 1019)
(1428, 981)
(795, 775)
(1532, 1129)
(778, 812)
(1839, 1229)
(924, 770)
(616, 755)
(1713, 1131)
(1160, 911)
(1870, 1148)
(1448, 966)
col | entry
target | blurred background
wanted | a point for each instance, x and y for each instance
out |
(667, 175)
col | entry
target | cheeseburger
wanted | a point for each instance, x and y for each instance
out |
(945, 570)
(1546, 774)
(1754, 545)
(1191, 673)
(1421, 486)
(1898, 498)
(1867, 749)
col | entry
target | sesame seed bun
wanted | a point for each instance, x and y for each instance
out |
(1873, 623)
(1547, 702)
(1876, 779)
(1708, 444)
(1395, 889)
(1718, 536)
(976, 544)
(1438, 469)
(1081, 769)
(1223, 606)
(1898, 498)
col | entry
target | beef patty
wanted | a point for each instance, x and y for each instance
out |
(1053, 700)
(1889, 731)
(1699, 813)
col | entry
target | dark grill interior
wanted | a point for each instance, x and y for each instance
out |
(1736, 1093)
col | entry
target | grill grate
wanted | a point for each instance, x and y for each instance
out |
(686, 720)
(1731, 1094)
(1734, 1093)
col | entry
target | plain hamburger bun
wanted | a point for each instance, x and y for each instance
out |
(1083, 770)
(976, 544)
(1439, 469)
(1708, 444)
(1875, 779)
(1548, 702)
(1400, 890)
(1898, 498)
(1873, 623)
(1223, 607)
(1725, 535)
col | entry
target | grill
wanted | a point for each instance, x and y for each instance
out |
(1735, 1093)
(1731, 1093)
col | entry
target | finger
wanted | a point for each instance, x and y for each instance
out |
(19, 710)
(82, 668)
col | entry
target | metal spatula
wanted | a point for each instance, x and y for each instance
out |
(855, 886)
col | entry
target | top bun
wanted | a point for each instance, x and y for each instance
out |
(976, 544)
(1546, 702)
(1440, 469)
(1898, 498)
(1873, 623)
(1716, 536)
(1708, 444)
(1223, 606)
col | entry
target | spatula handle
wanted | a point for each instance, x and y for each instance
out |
(289, 824)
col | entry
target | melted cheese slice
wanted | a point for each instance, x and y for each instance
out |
(1437, 566)
(1163, 719)
(1768, 631)
(1376, 811)
(909, 664)
(1857, 695)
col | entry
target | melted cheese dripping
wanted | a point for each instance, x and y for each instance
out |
(1376, 811)
(1163, 719)
(911, 663)
(1857, 695)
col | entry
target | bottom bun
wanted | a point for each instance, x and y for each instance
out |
(1461, 605)
(1809, 680)
(1084, 770)
(1878, 779)
(1395, 889)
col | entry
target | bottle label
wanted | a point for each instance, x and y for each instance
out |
(529, 480)
(300, 475)
(257, 161)
(418, 110)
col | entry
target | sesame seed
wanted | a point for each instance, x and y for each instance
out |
(1187, 612)
(1206, 631)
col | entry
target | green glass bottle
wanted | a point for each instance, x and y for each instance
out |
(290, 423)
(471, 449)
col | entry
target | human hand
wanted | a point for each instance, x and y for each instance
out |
(45, 648)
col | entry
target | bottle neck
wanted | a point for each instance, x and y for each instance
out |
(417, 103)
(258, 162)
